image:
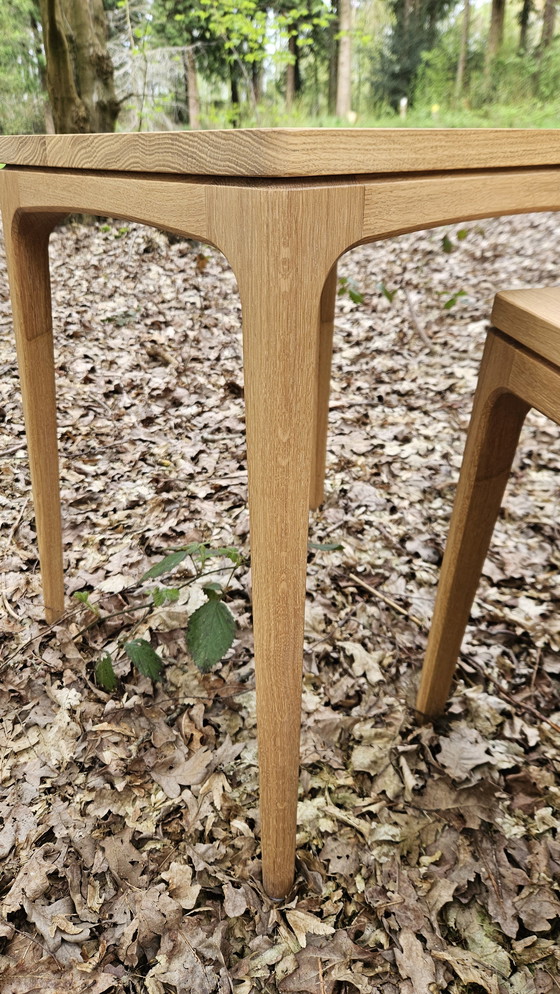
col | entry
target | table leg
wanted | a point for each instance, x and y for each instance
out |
(280, 361)
(326, 327)
(282, 242)
(26, 239)
(492, 439)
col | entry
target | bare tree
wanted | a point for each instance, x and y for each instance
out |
(463, 51)
(548, 23)
(344, 73)
(496, 32)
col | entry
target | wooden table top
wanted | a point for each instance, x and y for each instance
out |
(288, 152)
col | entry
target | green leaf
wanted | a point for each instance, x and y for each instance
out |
(164, 595)
(350, 287)
(447, 244)
(145, 659)
(453, 300)
(462, 234)
(210, 633)
(165, 565)
(227, 552)
(388, 294)
(105, 674)
(214, 591)
(325, 546)
(83, 597)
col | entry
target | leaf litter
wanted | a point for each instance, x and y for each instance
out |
(428, 855)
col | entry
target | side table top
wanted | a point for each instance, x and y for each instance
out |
(288, 152)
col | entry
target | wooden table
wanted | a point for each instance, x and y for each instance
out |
(282, 205)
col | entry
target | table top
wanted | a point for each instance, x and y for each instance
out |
(288, 152)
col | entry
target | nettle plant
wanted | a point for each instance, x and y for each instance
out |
(210, 629)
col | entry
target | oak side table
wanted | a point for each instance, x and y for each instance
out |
(282, 205)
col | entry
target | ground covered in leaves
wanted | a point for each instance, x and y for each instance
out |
(428, 856)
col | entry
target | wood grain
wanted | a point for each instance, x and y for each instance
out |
(399, 205)
(532, 317)
(287, 152)
(282, 245)
(26, 243)
(513, 378)
(176, 205)
(323, 382)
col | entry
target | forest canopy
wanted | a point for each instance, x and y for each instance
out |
(94, 65)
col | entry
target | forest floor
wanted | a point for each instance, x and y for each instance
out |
(428, 855)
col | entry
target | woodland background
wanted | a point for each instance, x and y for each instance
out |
(93, 65)
(428, 855)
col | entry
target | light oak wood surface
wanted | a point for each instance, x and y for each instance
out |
(520, 369)
(282, 237)
(287, 152)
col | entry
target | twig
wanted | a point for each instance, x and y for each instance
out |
(320, 973)
(17, 522)
(9, 607)
(11, 449)
(337, 624)
(415, 321)
(486, 676)
(387, 600)
(44, 631)
(511, 700)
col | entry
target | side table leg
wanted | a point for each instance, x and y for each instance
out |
(26, 239)
(280, 361)
(326, 327)
(282, 243)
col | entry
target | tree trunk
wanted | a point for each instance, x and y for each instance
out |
(189, 63)
(496, 32)
(79, 69)
(344, 81)
(524, 15)
(333, 60)
(462, 63)
(549, 18)
(234, 94)
(257, 81)
(291, 72)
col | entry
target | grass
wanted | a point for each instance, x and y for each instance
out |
(528, 115)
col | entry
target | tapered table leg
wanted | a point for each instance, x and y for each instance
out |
(26, 239)
(282, 243)
(324, 362)
(493, 434)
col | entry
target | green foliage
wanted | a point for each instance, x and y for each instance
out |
(388, 294)
(83, 598)
(447, 244)
(414, 31)
(164, 595)
(105, 674)
(210, 631)
(144, 658)
(452, 300)
(348, 287)
(165, 565)
(518, 89)
(324, 546)
(21, 62)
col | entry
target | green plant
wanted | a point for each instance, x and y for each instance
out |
(388, 294)
(210, 629)
(348, 287)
